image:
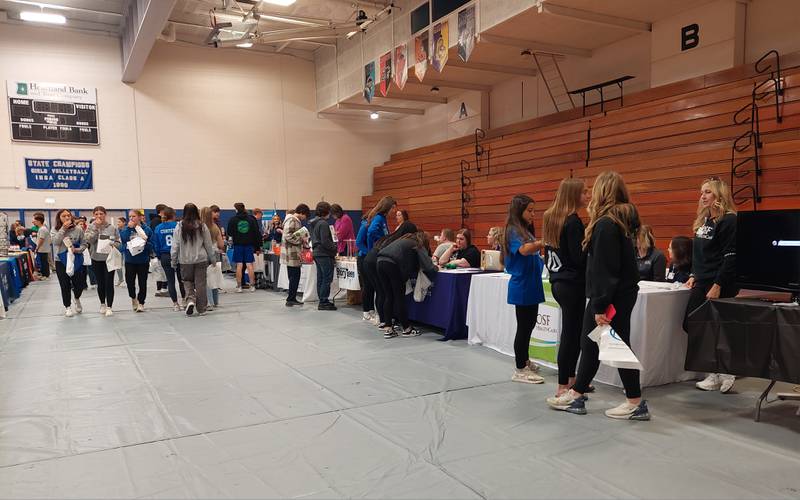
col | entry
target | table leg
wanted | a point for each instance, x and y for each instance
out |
(761, 400)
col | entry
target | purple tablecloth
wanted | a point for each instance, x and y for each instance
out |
(446, 305)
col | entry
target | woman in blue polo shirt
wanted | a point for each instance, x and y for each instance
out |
(525, 292)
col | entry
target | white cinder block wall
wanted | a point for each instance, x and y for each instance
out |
(201, 125)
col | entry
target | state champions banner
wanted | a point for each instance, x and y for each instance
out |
(69, 175)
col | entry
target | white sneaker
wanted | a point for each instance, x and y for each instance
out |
(135, 304)
(532, 367)
(710, 383)
(109, 313)
(252, 288)
(526, 377)
(78, 306)
(140, 308)
(176, 307)
(629, 411)
(69, 312)
(238, 289)
(375, 320)
(726, 383)
(103, 309)
(366, 316)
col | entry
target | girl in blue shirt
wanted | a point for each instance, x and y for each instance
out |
(376, 228)
(525, 291)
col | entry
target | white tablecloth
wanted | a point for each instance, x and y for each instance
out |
(308, 282)
(657, 337)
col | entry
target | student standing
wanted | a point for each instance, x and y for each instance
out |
(612, 278)
(367, 292)
(398, 262)
(378, 229)
(101, 236)
(294, 240)
(44, 246)
(343, 227)
(163, 236)
(219, 247)
(324, 250)
(68, 237)
(243, 230)
(136, 266)
(713, 261)
(87, 258)
(121, 222)
(563, 233)
(520, 251)
(155, 220)
(193, 251)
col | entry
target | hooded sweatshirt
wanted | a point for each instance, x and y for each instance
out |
(244, 230)
(75, 234)
(105, 232)
(196, 251)
(321, 238)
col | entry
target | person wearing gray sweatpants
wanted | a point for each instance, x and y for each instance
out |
(193, 250)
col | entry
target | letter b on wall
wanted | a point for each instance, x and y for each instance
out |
(690, 37)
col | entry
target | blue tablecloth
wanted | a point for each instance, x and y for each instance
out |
(14, 277)
(446, 305)
(5, 283)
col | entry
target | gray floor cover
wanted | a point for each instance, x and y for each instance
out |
(259, 401)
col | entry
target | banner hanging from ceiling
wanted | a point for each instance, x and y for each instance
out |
(466, 32)
(441, 43)
(401, 65)
(421, 50)
(369, 81)
(52, 112)
(386, 73)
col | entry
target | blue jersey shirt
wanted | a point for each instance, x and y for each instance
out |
(162, 242)
(377, 230)
(525, 287)
(361, 238)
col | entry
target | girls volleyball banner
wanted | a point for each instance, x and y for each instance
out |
(421, 54)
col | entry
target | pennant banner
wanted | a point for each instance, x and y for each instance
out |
(401, 66)
(441, 43)
(421, 49)
(369, 81)
(466, 32)
(386, 73)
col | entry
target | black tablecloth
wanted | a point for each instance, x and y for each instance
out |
(749, 338)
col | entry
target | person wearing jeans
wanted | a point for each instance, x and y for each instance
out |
(612, 277)
(101, 236)
(324, 254)
(292, 244)
(162, 242)
(136, 266)
(193, 250)
(520, 252)
(399, 262)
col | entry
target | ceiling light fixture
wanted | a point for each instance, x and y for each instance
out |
(435, 89)
(374, 115)
(245, 45)
(282, 3)
(42, 17)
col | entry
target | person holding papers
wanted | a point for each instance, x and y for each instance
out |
(520, 254)
(68, 238)
(136, 246)
(612, 278)
(102, 236)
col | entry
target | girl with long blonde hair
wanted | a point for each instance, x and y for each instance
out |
(566, 263)
(612, 276)
(713, 260)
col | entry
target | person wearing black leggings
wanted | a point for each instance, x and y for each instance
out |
(68, 237)
(399, 262)
(566, 262)
(101, 236)
(713, 262)
(520, 251)
(612, 279)
(136, 265)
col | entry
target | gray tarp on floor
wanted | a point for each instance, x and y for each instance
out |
(256, 400)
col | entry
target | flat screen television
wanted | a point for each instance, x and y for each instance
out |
(768, 250)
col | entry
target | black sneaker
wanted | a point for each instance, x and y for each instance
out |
(327, 306)
(292, 303)
(190, 308)
(389, 333)
(410, 332)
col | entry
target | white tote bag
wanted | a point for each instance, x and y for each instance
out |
(258, 264)
(114, 260)
(157, 270)
(70, 264)
(214, 276)
(614, 352)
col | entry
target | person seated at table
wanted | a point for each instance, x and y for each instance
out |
(651, 261)
(400, 216)
(563, 232)
(446, 240)
(611, 280)
(399, 262)
(680, 256)
(713, 261)
(493, 238)
(462, 253)
(525, 291)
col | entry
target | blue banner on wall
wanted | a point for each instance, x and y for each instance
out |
(59, 174)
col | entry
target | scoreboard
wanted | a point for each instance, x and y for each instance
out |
(52, 112)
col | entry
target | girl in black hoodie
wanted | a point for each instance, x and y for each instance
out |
(612, 277)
